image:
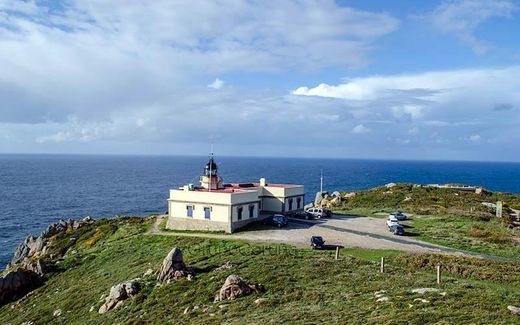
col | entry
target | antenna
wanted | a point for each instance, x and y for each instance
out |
(321, 181)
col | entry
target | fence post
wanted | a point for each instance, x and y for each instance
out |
(382, 265)
(337, 252)
(438, 274)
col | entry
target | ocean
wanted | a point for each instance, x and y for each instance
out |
(36, 190)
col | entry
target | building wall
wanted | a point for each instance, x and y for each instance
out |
(245, 211)
(197, 224)
(224, 207)
(271, 204)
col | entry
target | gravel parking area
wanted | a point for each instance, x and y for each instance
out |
(346, 231)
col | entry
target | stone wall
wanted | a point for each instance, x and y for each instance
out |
(197, 224)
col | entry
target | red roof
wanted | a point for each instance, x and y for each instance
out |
(241, 187)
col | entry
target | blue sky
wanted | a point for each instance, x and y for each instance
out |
(351, 78)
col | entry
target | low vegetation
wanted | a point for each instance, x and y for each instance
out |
(448, 217)
(302, 286)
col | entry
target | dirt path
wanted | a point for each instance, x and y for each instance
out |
(346, 231)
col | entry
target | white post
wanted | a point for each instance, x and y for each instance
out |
(438, 274)
(337, 252)
(382, 265)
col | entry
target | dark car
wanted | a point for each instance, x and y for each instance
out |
(397, 230)
(277, 220)
(317, 242)
(399, 215)
(300, 215)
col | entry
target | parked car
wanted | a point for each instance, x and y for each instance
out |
(399, 215)
(392, 221)
(317, 242)
(319, 212)
(300, 215)
(397, 230)
(277, 220)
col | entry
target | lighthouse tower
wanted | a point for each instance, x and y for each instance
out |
(210, 179)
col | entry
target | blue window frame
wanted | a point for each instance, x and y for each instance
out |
(207, 213)
(189, 211)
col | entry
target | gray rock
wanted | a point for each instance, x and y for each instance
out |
(336, 194)
(16, 283)
(514, 310)
(424, 290)
(173, 267)
(235, 287)
(119, 293)
(57, 313)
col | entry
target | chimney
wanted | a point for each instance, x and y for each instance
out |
(263, 182)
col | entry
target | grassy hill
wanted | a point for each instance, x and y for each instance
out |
(452, 218)
(302, 286)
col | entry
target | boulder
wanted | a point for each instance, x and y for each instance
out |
(16, 283)
(514, 310)
(424, 290)
(336, 194)
(173, 267)
(319, 197)
(390, 185)
(349, 195)
(119, 293)
(235, 287)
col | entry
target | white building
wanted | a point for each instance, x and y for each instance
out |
(217, 206)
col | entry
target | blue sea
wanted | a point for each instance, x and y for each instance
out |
(36, 190)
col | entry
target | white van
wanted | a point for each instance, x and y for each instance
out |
(318, 212)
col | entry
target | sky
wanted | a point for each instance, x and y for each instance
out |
(426, 80)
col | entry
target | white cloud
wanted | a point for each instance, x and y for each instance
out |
(450, 104)
(475, 137)
(461, 18)
(360, 129)
(216, 84)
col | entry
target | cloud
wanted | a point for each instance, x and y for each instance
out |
(450, 104)
(216, 84)
(96, 70)
(474, 137)
(461, 18)
(360, 129)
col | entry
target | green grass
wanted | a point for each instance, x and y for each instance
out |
(302, 285)
(443, 216)
(486, 237)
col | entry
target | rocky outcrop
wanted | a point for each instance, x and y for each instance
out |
(173, 267)
(30, 262)
(119, 293)
(319, 198)
(39, 246)
(16, 283)
(235, 287)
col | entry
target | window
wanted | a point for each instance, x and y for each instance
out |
(251, 211)
(290, 204)
(207, 213)
(299, 203)
(239, 213)
(189, 211)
